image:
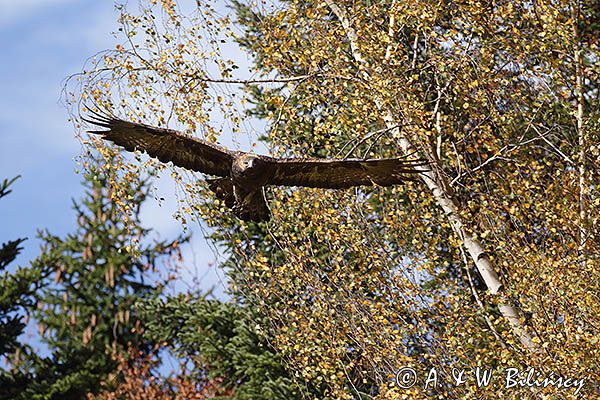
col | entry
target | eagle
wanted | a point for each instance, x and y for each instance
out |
(242, 175)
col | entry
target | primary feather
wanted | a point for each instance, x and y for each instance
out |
(165, 144)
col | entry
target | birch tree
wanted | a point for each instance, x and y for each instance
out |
(490, 260)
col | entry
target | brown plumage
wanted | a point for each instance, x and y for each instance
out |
(243, 175)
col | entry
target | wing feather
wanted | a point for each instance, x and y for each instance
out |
(341, 174)
(165, 144)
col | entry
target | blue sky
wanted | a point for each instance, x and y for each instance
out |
(42, 42)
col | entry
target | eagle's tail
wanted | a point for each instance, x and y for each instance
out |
(253, 208)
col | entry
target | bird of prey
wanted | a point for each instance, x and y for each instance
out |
(243, 175)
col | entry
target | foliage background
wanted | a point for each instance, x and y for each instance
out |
(348, 287)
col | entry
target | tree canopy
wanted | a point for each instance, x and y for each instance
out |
(490, 260)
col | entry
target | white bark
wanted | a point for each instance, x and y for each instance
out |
(579, 115)
(443, 194)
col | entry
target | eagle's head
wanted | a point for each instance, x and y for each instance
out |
(248, 166)
(248, 161)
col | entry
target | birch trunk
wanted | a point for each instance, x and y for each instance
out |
(579, 114)
(442, 192)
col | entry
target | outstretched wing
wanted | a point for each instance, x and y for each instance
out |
(165, 144)
(340, 174)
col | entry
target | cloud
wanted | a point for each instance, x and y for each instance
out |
(85, 26)
(40, 52)
(12, 12)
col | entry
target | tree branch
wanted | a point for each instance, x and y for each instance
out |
(442, 192)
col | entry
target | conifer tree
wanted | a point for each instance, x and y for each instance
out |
(15, 291)
(85, 303)
(226, 343)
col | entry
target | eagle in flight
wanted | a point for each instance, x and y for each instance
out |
(243, 175)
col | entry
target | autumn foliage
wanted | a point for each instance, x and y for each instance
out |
(134, 379)
(490, 260)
